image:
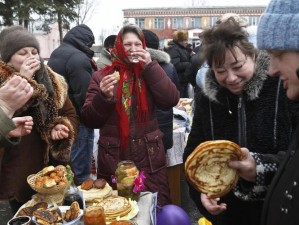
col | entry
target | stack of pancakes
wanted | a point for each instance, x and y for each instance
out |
(115, 206)
(207, 168)
(95, 194)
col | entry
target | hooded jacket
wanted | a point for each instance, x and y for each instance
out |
(260, 119)
(73, 60)
(180, 59)
(165, 117)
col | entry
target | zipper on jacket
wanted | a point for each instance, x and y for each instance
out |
(241, 123)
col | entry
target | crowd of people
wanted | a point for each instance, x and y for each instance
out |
(246, 92)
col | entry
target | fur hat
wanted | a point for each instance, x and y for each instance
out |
(14, 40)
(278, 28)
(180, 35)
(151, 39)
(109, 41)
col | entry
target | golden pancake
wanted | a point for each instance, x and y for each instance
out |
(207, 169)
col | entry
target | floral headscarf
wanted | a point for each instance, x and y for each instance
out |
(130, 83)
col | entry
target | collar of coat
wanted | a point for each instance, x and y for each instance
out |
(42, 85)
(160, 56)
(252, 89)
(44, 107)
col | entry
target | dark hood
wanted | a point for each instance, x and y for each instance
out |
(81, 37)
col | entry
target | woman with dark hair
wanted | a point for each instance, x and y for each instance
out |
(238, 102)
(123, 107)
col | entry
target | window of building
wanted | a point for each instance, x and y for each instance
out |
(177, 23)
(196, 23)
(159, 23)
(213, 20)
(253, 20)
(140, 22)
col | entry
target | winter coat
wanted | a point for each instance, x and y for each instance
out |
(260, 119)
(165, 117)
(180, 58)
(281, 205)
(73, 60)
(49, 106)
(145, 140)
(104, 59)
(6, 125)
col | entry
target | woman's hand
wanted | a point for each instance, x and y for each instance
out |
(212, 205)
(59, 132)
(29, 67)
(246, 166)
(23, 126)
(142, 55)
(107, 85)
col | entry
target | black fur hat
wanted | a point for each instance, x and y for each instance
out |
(109, 41)
(151, 39)
(14, 40)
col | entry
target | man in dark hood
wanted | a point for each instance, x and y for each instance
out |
(73, 60)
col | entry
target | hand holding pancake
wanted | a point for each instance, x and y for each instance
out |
(207, 167)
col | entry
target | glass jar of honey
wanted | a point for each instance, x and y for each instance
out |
(94, 215)
(126, 173)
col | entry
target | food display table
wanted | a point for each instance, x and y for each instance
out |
(147, 209)
(174, 156)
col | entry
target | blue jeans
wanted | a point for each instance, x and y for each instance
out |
(81, 153)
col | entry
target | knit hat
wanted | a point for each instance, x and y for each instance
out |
(278, 28)
(109, 41)
(180, 35)
(7, 31)
(151, 39)
(15, 40)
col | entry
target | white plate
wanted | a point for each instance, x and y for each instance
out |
(63, 210)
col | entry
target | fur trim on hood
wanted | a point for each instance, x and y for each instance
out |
(160, 56)
(212, 89)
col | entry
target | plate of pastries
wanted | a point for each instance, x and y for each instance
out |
(49, 180)
(207, 169)
(43, 213)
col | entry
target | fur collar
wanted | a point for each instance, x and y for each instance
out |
(252, 89)
(160, 56)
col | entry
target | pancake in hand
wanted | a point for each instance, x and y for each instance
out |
(207, 167)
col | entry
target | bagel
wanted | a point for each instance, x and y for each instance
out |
(207, 169)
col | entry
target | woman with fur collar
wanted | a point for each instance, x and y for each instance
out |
(54, 117)
(241, 103)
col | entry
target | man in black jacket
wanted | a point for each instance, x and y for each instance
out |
(73, 60)
(165, 117)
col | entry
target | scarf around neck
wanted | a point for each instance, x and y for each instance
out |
(130, 84)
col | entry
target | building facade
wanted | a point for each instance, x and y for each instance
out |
(164, 21)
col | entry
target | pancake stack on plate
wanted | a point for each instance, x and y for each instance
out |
(114, 207)
(207, 169)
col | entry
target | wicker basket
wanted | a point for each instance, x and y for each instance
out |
(53, 190)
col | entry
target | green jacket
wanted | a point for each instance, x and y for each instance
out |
(6, 125)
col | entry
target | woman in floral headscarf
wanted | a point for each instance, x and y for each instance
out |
(124, 110)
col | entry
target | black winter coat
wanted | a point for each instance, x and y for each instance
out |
(180, 58)
(72, 59)
(282, 201)
(260, 119)
(165, 117)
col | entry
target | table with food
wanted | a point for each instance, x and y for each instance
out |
(59, 202)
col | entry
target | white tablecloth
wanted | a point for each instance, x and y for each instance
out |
(174, 155)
